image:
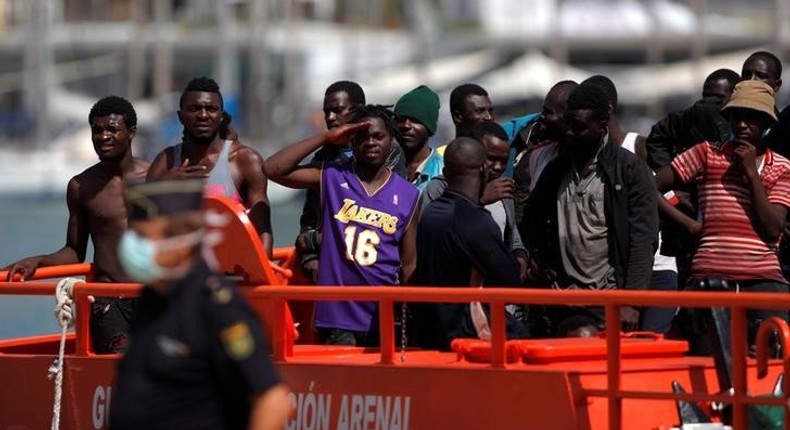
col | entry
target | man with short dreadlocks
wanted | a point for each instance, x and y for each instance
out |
(341, 100)
(367, 219)
(208, 152)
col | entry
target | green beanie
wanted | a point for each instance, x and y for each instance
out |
(421, 104)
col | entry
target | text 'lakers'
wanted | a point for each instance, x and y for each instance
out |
(353, 212)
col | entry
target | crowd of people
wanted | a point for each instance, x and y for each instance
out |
(576, 201)
(564, 198)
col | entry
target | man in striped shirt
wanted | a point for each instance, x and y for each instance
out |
(744, 193)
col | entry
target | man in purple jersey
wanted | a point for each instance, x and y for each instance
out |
(367, 228)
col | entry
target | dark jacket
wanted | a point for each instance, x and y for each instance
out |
(681, 130)
(631, 216)
(674, 134)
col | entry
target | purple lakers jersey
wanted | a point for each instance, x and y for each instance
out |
(361, 237)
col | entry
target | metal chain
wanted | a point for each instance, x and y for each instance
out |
(403, 332)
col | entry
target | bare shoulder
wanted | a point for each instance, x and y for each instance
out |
(162, 162)
(165, 152)
(83, 181)
(73, 187)
(164, 156)
(244, 154)
(90, 174)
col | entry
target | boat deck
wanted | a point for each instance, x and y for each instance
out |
(612, 382)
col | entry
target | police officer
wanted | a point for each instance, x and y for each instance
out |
(198, 358)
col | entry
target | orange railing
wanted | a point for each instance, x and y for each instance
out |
(81, 293)
(496, 298)
(81, 269)
(611, 300)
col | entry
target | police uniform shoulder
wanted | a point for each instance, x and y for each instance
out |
(234, 321)
(218, 292)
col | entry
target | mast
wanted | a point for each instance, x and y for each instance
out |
(420, 17)
(293, 77)
(699, 46)
(558, 46)
(781, 16)
(227, 55)
(38, 59)
(259, 82)
(137, 47)
(163, 50)
(654, 53)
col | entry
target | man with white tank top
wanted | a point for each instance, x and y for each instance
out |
(229, 168)
(219, 181)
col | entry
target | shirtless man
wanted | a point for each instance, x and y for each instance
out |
(229, 168)
(97, 210)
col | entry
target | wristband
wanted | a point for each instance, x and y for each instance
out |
(672, 199)
(312, 240)
(306, 258)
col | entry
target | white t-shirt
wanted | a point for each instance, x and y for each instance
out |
(660, 262)
(497, 211)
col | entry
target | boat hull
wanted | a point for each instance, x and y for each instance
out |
(347, 389)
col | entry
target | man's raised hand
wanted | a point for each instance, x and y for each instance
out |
(746, 153)
(498, 189)
(340, 134)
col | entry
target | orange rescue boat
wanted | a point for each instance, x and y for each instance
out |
(617, 381)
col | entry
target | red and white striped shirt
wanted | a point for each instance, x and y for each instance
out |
(729, 247)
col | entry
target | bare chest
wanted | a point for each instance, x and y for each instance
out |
(104, 203)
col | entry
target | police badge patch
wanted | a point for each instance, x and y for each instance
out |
(237, 340)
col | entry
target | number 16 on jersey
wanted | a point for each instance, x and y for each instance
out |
(361, 247)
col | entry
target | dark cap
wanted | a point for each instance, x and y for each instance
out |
(163, 198)
(421, 104)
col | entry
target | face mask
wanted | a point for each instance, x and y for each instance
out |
(137, 256)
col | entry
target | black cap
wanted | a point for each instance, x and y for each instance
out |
(162, 198)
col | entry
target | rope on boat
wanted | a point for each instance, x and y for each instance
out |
(64, 314)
